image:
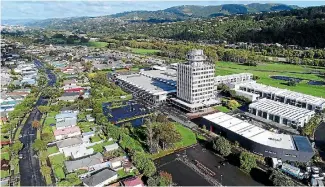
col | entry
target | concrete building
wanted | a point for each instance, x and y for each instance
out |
(258, 140)
(235, 78)
(282, 95)
(195, 83)
(280, 112)
(145, 87)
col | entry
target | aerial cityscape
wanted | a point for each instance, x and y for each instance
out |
(162, 93)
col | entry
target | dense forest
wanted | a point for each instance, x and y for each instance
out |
(303, 27)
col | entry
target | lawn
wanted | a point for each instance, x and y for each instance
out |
(97, 44)
(95, 139)
(51, 150)
(5, 155)
(144, 51)
(85, 126)
(49, 120)
(100, 147)
(57, 163)
(4, 173)
(222, 109)
(227, 68)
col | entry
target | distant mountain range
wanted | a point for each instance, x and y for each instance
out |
(170, 14)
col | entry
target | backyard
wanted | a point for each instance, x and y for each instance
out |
(57, 162)
(264, 71)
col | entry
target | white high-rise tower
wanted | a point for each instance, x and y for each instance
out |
(195, 79)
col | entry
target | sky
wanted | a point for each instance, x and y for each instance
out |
(42, 9)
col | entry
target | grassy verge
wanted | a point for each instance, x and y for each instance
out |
(97, 44)
(222, 109)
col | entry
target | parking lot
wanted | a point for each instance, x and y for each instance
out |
(185, 175)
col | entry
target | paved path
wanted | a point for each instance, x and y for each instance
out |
(29, 166)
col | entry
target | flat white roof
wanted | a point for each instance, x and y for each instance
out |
(147, 84)
(284, 93)
(225, 77)
(168, 76)
(251, 131)
(281, 109)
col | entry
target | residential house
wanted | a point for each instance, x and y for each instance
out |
(67, 132)
(86, 163)
(65, 120)
(68, 143)
(69, 96)
(76, 89)
(117, 162)
(111, 147)
(132, 181)
(100, 178)
(71, 82)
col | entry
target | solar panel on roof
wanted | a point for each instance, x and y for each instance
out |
(302, 144)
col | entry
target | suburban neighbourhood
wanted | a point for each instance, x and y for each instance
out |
(133, 106)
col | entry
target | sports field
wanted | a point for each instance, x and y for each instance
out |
(264, 71)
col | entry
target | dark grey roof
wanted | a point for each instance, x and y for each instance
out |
(83, 162)
(69, 142)
(99, 177)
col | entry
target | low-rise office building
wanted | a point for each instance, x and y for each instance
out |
(259, 140)
(145, 87)
(282, 95)
(280, 112)
(234, 78)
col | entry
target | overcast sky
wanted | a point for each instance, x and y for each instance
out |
(60, 9)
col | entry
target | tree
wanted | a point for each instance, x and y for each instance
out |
(149, 169)
(150, 135)
(39, 145)
(279, 179)
(46, 137)
(165, 179)
(36, 124)
(233, 104)
(45, 170)
(16, 147)
(167, 134)
(153, 181)
(247, 161)
(43, 109)
(222, 146)
(312, 124)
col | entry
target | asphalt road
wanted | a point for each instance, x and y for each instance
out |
(228, 175)
(30, 174)
(320, 139)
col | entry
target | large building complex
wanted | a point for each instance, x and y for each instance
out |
(282, 95)
(258, 140)
(148, 88)
(280, 112)
(195, 83)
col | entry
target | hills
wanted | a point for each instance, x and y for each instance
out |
(176, 13)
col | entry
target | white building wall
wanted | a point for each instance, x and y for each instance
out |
(195, 79)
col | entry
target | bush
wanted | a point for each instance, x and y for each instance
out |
(222, 146)
(247, 161)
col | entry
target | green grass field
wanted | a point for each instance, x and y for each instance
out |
(51, 150)
(227, 68)
(57, 163)
(144, 51)
(97, 44)
(100, 147)
(4, 173)
(5, 155)
(222, 109)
